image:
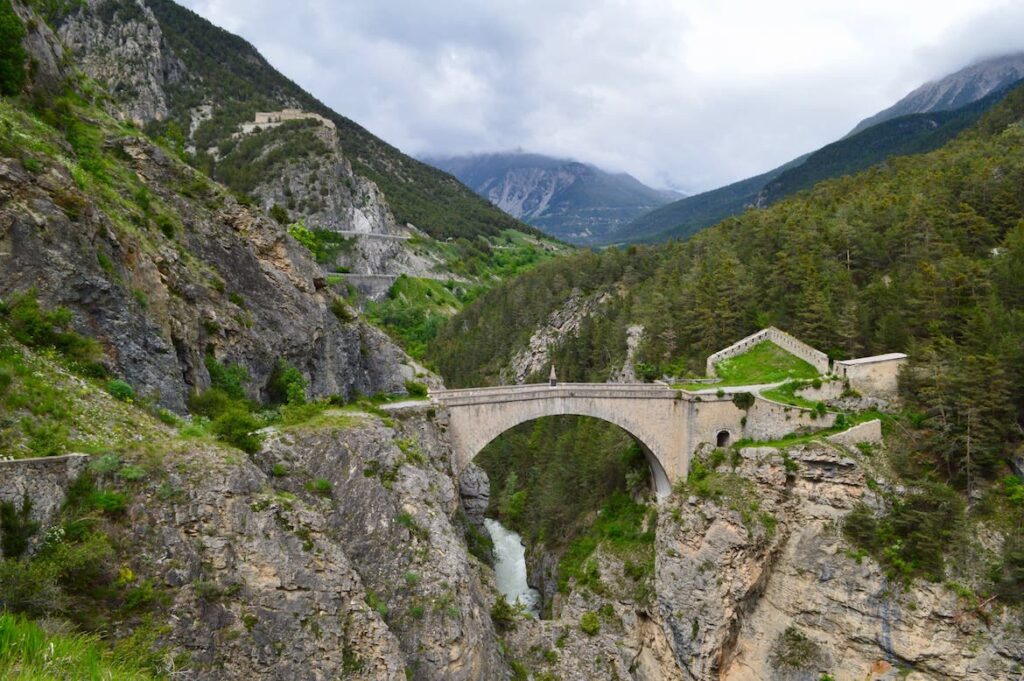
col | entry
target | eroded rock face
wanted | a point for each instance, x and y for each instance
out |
(226, 282)
(744, 597)
(332, 554)
(260, 588)
(120, 44)
(562, 322)
(393, 516)
(475, 491)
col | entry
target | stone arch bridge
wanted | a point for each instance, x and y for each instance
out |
(668, 423)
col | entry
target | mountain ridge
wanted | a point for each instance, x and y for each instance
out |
(921, 121)
(568, 199)
(964, 86)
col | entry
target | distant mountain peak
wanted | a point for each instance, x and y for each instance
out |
(566, 198)
(958, 89)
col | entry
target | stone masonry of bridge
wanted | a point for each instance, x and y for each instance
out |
(668, 424)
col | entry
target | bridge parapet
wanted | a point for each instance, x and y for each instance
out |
(640, 391)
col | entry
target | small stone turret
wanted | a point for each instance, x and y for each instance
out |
(552, 378)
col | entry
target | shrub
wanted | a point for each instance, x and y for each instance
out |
(279, 470)
(166, 226)
(16, 527)
(132, 473)
(237, 427)
(503, 614)
(167, 417)
(376, 603)
(590, 623)
(279, 214)
(793, 650)
(743, 401)
(111, 503)
(415, 389)
(286, 384)
(342, 311)
(121, 390)
(31, 165)
(229, 378)
(320, 487)
(210, 403)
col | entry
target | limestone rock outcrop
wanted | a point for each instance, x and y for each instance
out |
(742, 587)
(120, 44)
(222, 281)
(332, 553)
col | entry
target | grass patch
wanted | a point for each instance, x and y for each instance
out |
(786, 394)
(622, 526)
(766, 362)
(29, 653)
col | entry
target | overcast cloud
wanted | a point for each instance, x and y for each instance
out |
(685, 93)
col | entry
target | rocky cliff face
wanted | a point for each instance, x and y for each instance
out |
(215, 279)
(325, 193)
(760, 584)
(119, 43)
(362, 576)
(161, 265)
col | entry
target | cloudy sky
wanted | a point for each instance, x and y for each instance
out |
(691, 94)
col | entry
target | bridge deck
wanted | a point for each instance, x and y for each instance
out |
(541, 391)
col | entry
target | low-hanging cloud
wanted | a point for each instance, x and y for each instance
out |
(686, 94)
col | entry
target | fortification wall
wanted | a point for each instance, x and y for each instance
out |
(829, 390)
(45, 480)
(816, 358)
(870, 431)
(876, 376)
(373, 286)
(770, 420)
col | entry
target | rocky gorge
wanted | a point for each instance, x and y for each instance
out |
(213, 465)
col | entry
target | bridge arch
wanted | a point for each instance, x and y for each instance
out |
(659, 477)
(652, 415)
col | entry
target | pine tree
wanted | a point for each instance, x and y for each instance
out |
(12, 54)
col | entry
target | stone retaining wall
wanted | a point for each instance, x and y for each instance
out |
(829, 390)
(869, 431)
(45, 480)
(770, 420)
(816, 358)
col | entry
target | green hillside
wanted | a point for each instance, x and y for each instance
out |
(225, 69)
(910, 134)
(686, 217)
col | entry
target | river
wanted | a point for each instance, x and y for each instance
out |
(510, 566)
